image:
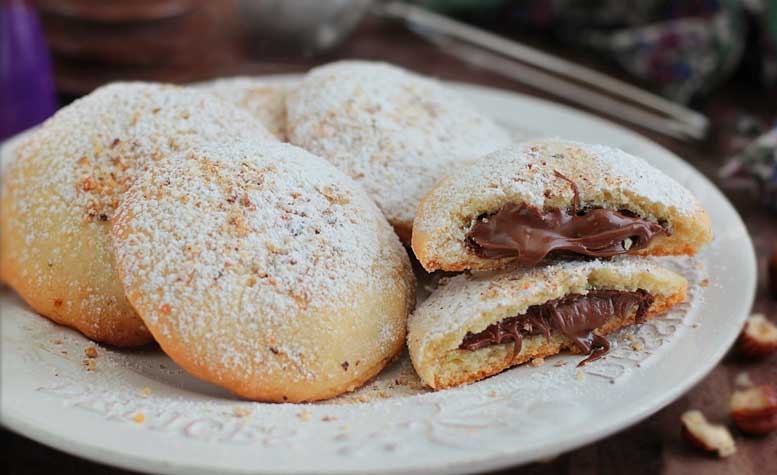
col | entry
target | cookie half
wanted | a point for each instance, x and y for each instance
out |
(263, 99)
(61, 189)
(538, 199)
(396, 133)
(476, 325)
(262, 268)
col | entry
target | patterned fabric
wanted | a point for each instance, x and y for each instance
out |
(756, 165)
(683, 48)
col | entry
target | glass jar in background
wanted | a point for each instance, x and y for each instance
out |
(298, 26)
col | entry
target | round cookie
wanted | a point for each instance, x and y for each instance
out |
(262, 268)
(265, 100)
(396, 133)
(559, 178)
(60, 192)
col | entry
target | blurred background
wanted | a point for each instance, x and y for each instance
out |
(718, 58)
(697, 76)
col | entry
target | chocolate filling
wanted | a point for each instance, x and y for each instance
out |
(529, 234)
(574, 316)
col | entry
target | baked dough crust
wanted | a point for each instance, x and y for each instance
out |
(471, 302)
(526, 173)
(60, 191)
(396, 133)
(260, 267)
(265, 100)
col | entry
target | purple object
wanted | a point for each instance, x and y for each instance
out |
(26, 82)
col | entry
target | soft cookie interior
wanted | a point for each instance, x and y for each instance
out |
(491, 326)
(537, 200)
(462, 365)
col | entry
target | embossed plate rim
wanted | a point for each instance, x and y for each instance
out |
(145, 454)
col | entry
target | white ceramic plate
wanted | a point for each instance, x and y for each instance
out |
(392, 425)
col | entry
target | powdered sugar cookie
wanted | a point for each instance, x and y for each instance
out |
(262, 268)
(476, 325)
(529, 201)
(394, 132)
(265, 100)
(60, 192)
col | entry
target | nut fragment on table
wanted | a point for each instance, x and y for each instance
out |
(708, 437)
(758, 338)
(90, 352)
(743, 380)
(754, 410)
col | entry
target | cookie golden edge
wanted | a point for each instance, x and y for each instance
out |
(441, 364)
(115, 325)
(445, 214)
(104, 316)
(270, 389)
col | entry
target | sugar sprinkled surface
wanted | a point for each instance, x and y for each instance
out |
(527, 169)
(394, 132)
(250, 253)
(526, 173)
(69, 175)
(461, 299)
(265, 100)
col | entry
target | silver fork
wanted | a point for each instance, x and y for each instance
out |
(526, 64)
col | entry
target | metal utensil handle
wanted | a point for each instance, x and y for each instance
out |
(423, 21)
(572, 92)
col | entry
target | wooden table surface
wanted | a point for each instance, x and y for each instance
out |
(652, 446)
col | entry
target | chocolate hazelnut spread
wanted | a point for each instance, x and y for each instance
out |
(574, 316)
(530, 234)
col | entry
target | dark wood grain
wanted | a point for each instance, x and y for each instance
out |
(652, 446)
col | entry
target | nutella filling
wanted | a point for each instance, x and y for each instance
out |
(575, 316)
(530, 234)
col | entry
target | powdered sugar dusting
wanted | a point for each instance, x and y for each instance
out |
(462, 298)
(639, 177)
(253, 256)
(61, 191)
(394, 132)
(526, 173)
(265, 100)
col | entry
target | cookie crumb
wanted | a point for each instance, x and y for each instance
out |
(91, 352)
(304, 416)
(537, 362)
(146, 392)
(579, 375)
(559, 364)
(492, 393)
(241, 411)
(139, 418)
(89, 364)
(637, 346)
(329, 418)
